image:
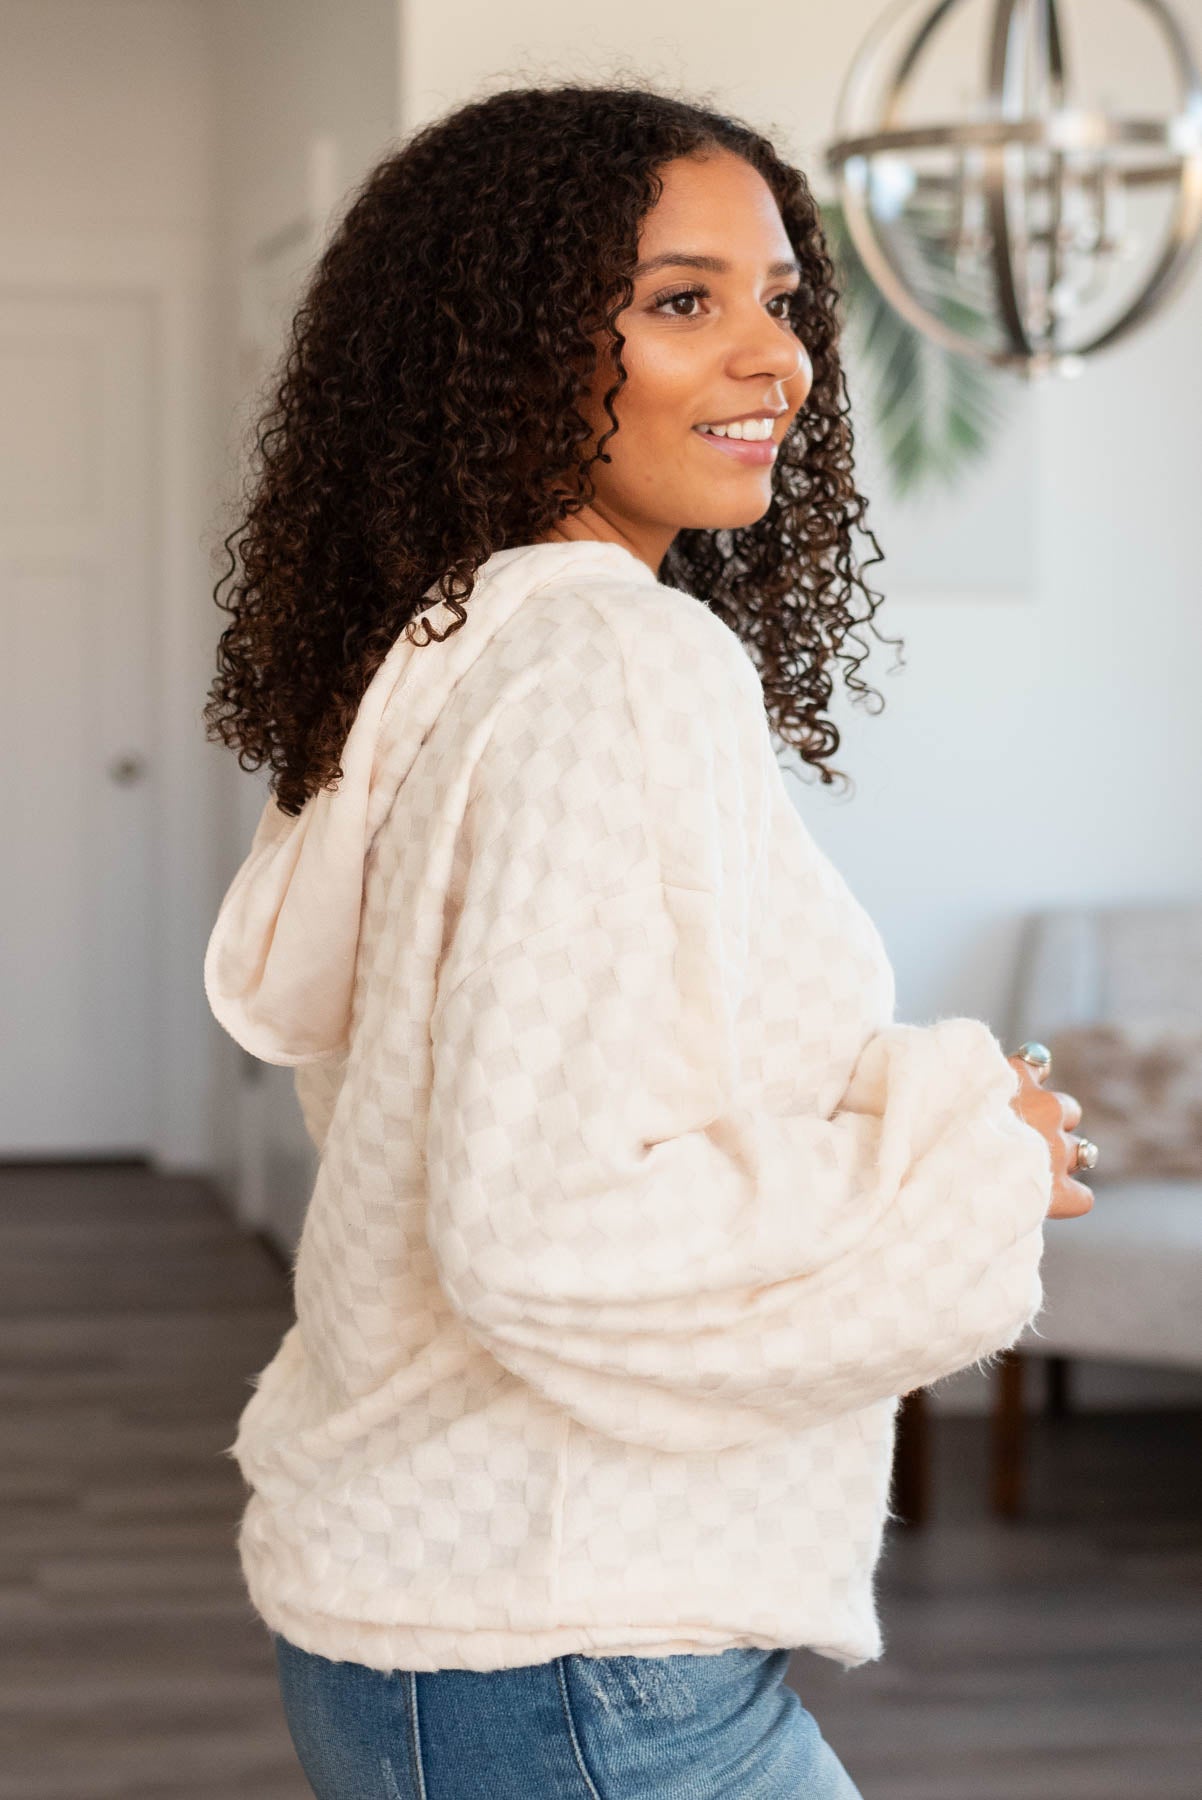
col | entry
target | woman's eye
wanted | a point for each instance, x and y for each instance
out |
(685, 295)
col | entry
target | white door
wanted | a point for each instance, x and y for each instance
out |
(78, 892)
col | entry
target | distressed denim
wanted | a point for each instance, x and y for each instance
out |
(720, 1727)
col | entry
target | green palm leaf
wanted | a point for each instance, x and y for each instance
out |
(934, 410)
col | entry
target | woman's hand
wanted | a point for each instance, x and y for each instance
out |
(1054, 1115)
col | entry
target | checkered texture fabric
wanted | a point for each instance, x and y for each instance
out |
(636, 1211)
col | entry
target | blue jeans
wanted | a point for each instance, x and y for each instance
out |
(720, 1727)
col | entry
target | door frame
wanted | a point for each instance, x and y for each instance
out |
(171, 273)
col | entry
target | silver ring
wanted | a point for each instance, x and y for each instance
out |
(1038, 1055)
(1087, 1154)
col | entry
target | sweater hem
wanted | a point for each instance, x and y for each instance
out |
(429, 1648)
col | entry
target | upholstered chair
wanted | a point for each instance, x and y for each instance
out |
(1115, 993)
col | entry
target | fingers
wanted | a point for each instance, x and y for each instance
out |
(1071, 1199)
(1049, 1108)
(1037, 1075)
(1055, 1115)
(1070, 1107)
(1042, 1107)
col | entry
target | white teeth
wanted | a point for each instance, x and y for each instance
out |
(760, 429)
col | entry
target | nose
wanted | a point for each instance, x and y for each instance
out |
(762, 345)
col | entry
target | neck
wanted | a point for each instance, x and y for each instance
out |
(650, 543)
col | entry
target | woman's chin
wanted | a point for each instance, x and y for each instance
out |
(730, 511)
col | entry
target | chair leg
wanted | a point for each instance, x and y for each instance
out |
(1008, 1434)
(911, 1462)
(1059, 1401)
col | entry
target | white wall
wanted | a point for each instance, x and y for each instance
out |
(305, 102)
(1033, 751)
(106, 121)
(292, 72)
(106, 185)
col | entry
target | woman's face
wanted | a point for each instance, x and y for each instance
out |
(708, 341)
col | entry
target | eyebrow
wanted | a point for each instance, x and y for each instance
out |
(715, 265)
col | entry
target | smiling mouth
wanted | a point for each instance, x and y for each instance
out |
(758, 451)
(753, 427)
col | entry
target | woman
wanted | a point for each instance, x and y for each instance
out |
(635, 1211)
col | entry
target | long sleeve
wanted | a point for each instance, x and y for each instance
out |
(668, 1261)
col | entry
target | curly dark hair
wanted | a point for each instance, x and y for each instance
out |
(425, 413)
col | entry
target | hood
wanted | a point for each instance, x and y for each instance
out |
(279, 970)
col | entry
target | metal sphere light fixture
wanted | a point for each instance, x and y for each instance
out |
(1027, 203)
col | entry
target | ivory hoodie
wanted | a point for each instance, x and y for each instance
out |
(635, 1210)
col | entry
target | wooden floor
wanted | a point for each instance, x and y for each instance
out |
(1054, 1658)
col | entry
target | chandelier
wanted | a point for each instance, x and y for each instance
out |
(1038, 228)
